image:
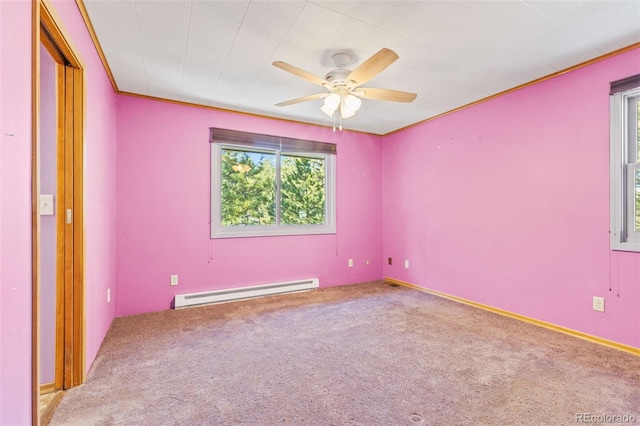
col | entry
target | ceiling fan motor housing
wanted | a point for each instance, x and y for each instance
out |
(338, 76)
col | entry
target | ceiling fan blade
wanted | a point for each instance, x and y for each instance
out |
(373, 66)
(300, 73)
(384, 94)
(303, 99)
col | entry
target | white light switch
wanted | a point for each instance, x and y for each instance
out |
(46, 204)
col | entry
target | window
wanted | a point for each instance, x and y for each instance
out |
(265, 185)
(625, 164)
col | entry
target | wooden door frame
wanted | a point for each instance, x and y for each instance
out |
(70, 321)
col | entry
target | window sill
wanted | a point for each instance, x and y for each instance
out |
(248, 232)
(625, 246)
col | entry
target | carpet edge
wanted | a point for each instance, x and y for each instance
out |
(580, 335)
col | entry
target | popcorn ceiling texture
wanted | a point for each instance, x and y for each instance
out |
(365, 354)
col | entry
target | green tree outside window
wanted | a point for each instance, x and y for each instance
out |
(249, 184)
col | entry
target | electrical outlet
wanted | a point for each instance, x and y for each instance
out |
(598, 304)
(174, 280)
(350, 263)
(406, 264)
(108, 295)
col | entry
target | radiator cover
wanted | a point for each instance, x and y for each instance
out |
(241, 293)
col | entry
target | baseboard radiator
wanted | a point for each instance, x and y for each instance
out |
(228, 295)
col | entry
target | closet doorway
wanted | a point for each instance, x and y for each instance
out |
(58, 224)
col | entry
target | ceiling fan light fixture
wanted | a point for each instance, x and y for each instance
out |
(332, 101)
(346, 113)
(327, 110)
(351, 102)
(331, 104)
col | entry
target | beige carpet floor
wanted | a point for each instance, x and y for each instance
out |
(366, 354)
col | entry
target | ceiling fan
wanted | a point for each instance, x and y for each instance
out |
(343, 85)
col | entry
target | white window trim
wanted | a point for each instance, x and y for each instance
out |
(622, 232)
(220, 231)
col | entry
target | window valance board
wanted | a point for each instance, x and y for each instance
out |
(257, 140)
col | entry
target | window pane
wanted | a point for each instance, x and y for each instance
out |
(302, 194)
(248, 189)
(638, 132)
(637, 200)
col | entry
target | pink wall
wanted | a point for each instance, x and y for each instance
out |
(15, 205)
(163, 198)
(2, 141)
(15, 200)
(506, 203)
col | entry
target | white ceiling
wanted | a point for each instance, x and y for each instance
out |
(219, 53)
